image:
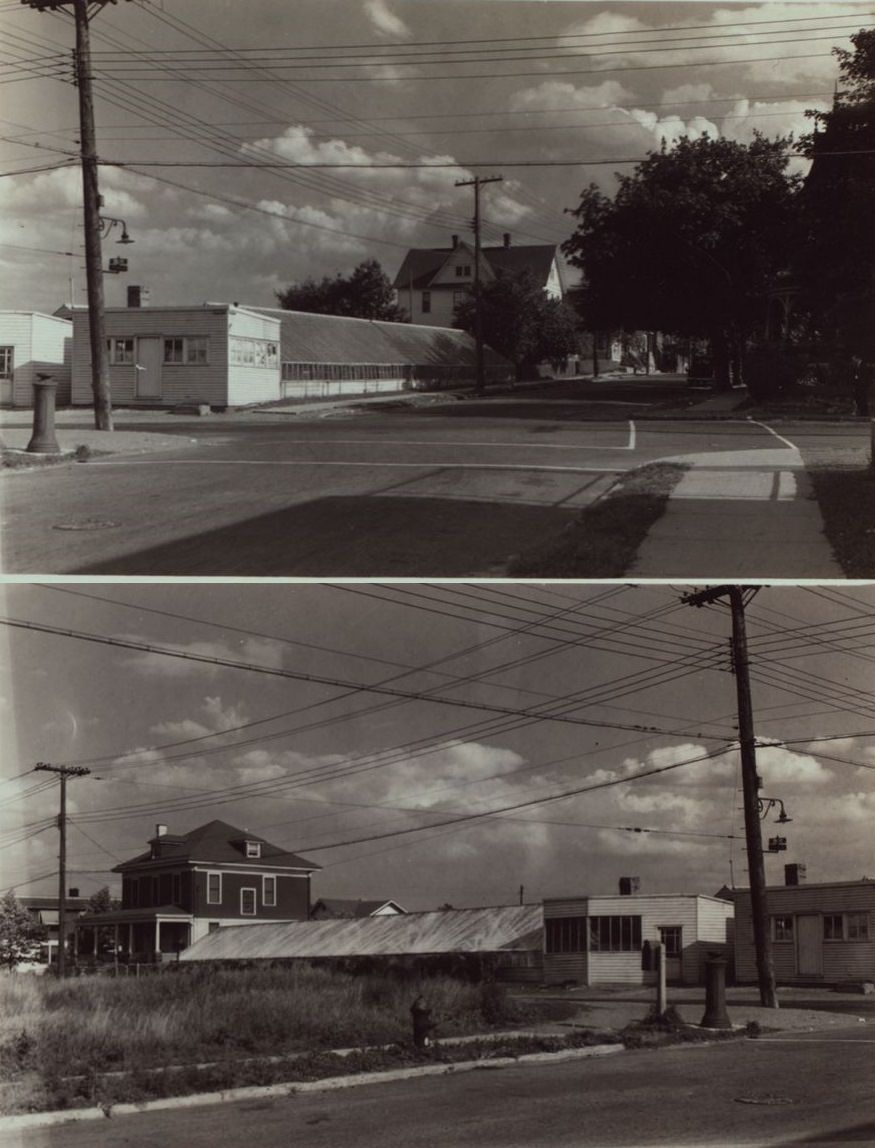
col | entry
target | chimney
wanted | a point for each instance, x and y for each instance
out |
(794, 874)
(160, 830)
(629, 885)
(506, 238)
(455, 242)
(138, 296)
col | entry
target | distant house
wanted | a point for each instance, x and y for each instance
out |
(44, 911)
(432, 280)
(224, 355)
(821, 933)
(340, 908)
(31, 344)
(505, 940)
(187, 885)
(598, 939)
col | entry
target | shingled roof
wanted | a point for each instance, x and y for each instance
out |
(422, 264)
(217, 841)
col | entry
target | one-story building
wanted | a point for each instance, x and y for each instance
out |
(33, 344)
(821, 933)
(598, 939)
(506, 939)
(225, 355)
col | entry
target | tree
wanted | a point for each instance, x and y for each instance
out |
(103, 902)
(366, 294)
(835, 267)
(521, 321)
(690, 243)
(18, 931)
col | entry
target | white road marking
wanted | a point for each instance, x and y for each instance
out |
(443, 442)
(368, 465)
(779, 437)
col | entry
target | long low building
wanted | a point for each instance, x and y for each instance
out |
(512, 934)
(225, 355)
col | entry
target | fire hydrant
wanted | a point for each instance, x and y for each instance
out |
(422, 1022)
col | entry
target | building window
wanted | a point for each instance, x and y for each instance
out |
(214, 888)
(7, 358)
(858, 926)
(565, 935)
(177, 888)
(671, 935)
(268, 891)
(247, 902)
(782, 928)
(426, 302)
(614, 934)
(196, 349)
(174, 350)
(833, 927)
(253, 848)
(459, 296)
(463, 270)
(120, 350)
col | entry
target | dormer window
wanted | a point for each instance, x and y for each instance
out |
(253, 848)
(463, 270)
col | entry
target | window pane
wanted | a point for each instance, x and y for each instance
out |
(858, 926)
(832, 927)
(173, 350)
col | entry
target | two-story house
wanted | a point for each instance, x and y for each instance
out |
(433, 280)
(188, 884)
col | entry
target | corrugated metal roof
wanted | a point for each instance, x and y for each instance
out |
(506, 928)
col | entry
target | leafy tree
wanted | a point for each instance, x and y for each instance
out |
(103, 902)
(835, 267)
(366, 294)
(690, 242)
(18, 931)
(521, 321)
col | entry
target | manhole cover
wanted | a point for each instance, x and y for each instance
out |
(88, 524)
(772, 1100)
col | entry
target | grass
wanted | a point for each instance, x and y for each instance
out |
(604, 539)
(59, 1039)
(846, 495)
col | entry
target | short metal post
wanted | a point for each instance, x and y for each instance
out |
(43, 440)
(715, 994)
(661, 1002)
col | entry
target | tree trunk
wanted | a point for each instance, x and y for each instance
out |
(720, 355)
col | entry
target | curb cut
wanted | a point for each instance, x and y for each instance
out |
(293, 1088)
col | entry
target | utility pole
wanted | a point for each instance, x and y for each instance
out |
(63, 772)
(477, 182)
(92, 203)
(750, 786)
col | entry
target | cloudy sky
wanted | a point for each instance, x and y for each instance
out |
(614, 701)
(387, 103)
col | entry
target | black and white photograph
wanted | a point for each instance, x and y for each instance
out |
(437, 573)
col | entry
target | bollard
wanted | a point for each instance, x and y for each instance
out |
(43, 440)
(715, 994)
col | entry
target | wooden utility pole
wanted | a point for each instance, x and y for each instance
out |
(92, 203)
(63, 772)
(750, 786)
(477, 182)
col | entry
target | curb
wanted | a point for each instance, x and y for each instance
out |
(293, 1088)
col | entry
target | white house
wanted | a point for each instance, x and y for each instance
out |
(31, 344)
(821, 933)
(432, 280)
(598, 939)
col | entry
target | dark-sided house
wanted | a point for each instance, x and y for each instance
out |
(187, 885)
(433, 280)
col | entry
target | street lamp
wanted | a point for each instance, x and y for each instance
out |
(108, 222)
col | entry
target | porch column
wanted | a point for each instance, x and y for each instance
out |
(115, 944)
(130, 939)
(94, 931)
(157, 935)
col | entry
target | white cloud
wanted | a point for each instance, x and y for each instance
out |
(385, 21)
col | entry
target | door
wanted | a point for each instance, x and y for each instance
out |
(150, 355)
(7, 356)
(809, 946)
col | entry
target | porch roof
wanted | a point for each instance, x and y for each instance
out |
(135, 916)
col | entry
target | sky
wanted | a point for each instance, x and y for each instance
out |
(354, 711)
(396, 100)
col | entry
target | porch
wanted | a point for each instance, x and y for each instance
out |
(131, 936)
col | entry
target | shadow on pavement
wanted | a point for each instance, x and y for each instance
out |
(352, 537)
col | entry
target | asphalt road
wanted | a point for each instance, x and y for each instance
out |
(448, 491)
(813, 1090)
